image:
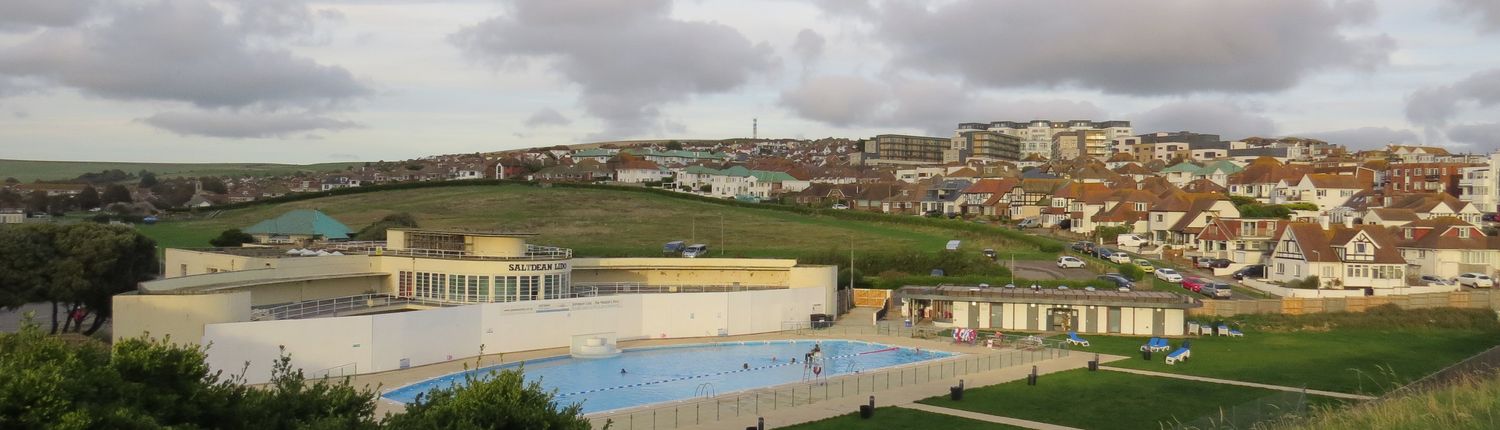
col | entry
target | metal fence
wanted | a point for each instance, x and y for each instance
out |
(332, 306)
(1263, 413)
(743, 407)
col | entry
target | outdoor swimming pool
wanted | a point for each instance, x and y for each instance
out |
(661, 374)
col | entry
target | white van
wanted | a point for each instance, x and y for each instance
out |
(696, 250)
(1132, 240)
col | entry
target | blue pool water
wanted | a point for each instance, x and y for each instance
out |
(662, 374)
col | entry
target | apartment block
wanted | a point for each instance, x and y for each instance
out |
(905, 149)
(985, 145)
(1036, 136)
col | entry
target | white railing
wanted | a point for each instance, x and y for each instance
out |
(612, 288)
(333, 306)
(533, 252)
(346, 369)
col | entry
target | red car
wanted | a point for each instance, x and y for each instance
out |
(1193, 283)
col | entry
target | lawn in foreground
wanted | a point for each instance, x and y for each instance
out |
(1104, 399)
(1359, 361)
(900, 418)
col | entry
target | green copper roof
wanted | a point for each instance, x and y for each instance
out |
(302, 222)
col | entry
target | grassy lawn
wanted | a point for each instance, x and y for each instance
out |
(1349, 360)
(900, 418)
(1104, 399)
(598, 222)
(27, 170)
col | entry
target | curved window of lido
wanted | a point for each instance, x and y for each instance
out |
(482, 288)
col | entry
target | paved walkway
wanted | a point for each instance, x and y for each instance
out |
(1240, 383)
(986, 417)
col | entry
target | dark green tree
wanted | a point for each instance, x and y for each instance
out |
(37, 201)
(94, 263)
(213, 185)
(115, 193)
(231, 238)
(499, 400)
(88, 198)
(26, 253)
(148, 179)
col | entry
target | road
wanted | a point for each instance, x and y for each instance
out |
(1049, 270)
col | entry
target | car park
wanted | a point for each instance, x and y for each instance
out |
(1193, 283)
(1434, 281)
(1168, 275)
(1069, 262)
(1475, 280)
(1253, 271)
(1145, 265)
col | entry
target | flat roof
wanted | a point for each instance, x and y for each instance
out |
(467, 232)
(1148, 299)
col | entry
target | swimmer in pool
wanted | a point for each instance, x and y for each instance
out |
(746, 366)
(622, 371)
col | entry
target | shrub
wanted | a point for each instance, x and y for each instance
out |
(231, 238)
(1133, 272)
(1308, 283)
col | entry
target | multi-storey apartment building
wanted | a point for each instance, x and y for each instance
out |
(1444, 177)
(905, 149)
(1069, 145)
(1480, 184)
(1167, 146)
(1036, 136)
(985, 145)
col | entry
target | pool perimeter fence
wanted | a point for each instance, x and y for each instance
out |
(745, 406)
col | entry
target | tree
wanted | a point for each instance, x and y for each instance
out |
(37, 201)
(115, 193)
(98, 262)
(231, 238)
(88, 198)
(213, 185)
(25, 255)
(1131, 271)
(376, 230)
(148, 180)
(502, 400)
(674, 146)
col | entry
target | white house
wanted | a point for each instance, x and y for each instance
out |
(1341, 256)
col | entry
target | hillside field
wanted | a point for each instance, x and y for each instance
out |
(595, 222)
(28, 170)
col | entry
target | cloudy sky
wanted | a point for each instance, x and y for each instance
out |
(319, 81)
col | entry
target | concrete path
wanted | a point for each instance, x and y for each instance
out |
(986, 417)
(1240, 383)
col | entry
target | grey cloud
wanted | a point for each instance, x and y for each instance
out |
(187, 51)
(24, 15)
(808, 46)
(1226, 119)
(934, 106)
(546, 117)
(1481, 137)
(837, 100)
(1486, 12)
(1365, 137)
(628, 58)
(1435, 106)
(1135, 48)
(244, 125)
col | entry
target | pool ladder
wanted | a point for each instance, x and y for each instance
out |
(706, 390)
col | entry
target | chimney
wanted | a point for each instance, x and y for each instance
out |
(1323, 221)
(1348, 221)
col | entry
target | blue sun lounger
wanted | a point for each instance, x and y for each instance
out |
(1150, 345)
(1236, 333)
(1181, 354)
(1074, 339)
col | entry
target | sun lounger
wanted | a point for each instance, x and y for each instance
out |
(1150, 345)
(1181, 354)
(1223, 330)
(1074, 339)
(1162, 344)
(1236, 333)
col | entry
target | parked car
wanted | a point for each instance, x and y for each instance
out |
(1193, 283)
(1434, 281)
(1492, 217)
(1130, 240)
(1069, 262)
(673, 247)
(1168, 275)
(1078, 246)
(1103, 252)
(1032, 222)
(1204, 263)
(1475, 280)
(1217, 290)
(695, 250)
(1120, 282)
(1252, 271)
(1145, 265)
(1219, 263)
(937, 273)
(1119, 257)
(1089, 247)
(990, 252)
(840, 206)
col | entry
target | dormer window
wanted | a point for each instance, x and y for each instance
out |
(1359, 248)
(1408, 233)
(1463, 233)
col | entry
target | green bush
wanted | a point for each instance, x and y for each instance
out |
(1308, 283)
(1133, 272)
(1383, 317)
(231, 238)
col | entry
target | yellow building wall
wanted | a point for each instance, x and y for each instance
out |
(180, 317)
(182, 262)
(301, 291)
(498, 246)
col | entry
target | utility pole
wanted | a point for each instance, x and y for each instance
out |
(721, 234)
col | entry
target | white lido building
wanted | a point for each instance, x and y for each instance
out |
(1138, 313)
(428, 296)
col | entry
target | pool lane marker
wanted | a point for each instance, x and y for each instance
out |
(664, 381)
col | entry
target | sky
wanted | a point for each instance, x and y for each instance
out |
(298, 81)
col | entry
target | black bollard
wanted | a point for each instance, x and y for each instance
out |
(1094, 364)
(1031, 379)
(1146, 354)
(865, 412)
